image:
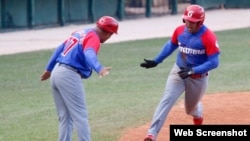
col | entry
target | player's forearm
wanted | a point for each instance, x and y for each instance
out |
(92, 60)
(167, 49)
(52, 61)
(212, 63)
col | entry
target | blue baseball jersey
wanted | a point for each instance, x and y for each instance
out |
(79, 51)
(200, 50)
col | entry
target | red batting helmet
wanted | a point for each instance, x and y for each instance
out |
(108, 24)
(194, 13)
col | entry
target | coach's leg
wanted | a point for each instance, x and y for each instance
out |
(64, 118)
(75, 100)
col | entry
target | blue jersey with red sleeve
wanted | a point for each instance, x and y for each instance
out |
(200, 50)
(78, 51)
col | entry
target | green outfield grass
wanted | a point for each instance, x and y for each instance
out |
(125, 98)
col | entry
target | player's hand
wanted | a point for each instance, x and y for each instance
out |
(148, 64)
(45, 75)
(104, 71)
(185, 72)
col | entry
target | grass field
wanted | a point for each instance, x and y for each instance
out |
(126, 98)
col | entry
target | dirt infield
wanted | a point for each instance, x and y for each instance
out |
(221, 108)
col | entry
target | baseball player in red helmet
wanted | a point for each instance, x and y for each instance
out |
(198, 53)
(71, 62)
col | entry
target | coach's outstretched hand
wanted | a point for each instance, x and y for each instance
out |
(148, 64)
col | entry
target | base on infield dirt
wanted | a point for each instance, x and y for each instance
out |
(221, 108)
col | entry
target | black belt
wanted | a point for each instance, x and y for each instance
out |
(69, 67)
